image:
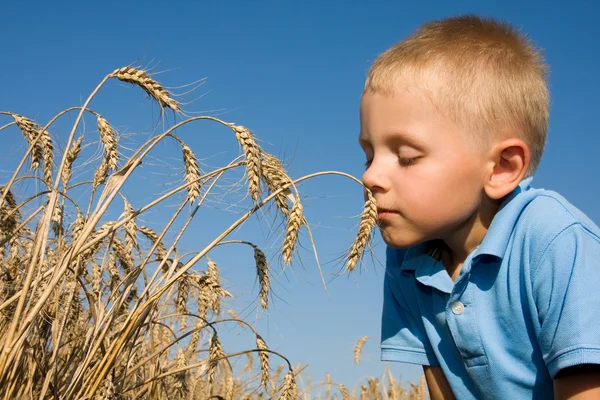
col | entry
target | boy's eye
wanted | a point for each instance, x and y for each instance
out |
(368, 163)
(405, 162)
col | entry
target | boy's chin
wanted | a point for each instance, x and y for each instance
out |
(400, 240)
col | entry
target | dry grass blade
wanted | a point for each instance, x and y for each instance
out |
(253, 160)
(264, 361)
(289, 390)
(262, 269)
(358, 348)
(367, 222)
(192, 173)
(295, 221)
(109, 140)
(328, 385)
(153, 88)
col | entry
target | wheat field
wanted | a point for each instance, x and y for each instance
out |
(98, 305)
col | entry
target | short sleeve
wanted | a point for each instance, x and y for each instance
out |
(566, 290)
(403, 337)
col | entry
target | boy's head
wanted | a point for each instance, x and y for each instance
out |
(462, 104)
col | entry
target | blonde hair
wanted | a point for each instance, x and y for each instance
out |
(476, 70)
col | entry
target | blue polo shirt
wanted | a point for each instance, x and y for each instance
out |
(525, 305)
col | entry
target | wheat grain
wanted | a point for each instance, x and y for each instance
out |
(264, 360)
(262, 269)
(70, 158)
(367, 222)
(295, 221)
(358, 348)
(153, 88)
(253, 161)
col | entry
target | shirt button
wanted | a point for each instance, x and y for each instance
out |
(458, 308)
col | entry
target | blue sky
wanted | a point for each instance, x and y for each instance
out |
(292, 71)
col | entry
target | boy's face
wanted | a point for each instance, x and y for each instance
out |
(426, 177)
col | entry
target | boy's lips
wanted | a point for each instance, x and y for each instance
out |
(383, 213)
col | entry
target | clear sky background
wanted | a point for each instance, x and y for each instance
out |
(292, 71)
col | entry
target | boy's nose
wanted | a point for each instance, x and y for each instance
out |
(375, 178)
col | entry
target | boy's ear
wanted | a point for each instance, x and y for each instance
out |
(508, 164)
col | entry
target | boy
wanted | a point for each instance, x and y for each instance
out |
(491, 285)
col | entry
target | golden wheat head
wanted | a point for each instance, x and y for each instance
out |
(153, 88)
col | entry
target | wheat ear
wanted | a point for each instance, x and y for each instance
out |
(153, 88)
(253, 161)
(294, 223)
(262, 269)
(289, 390)
(358, 348)
(70, 159)
(109, 140)
(264, 361)
(215, 354)
(276, 177)
(192, 173)
(367, 222)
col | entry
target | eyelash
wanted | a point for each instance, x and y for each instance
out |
(405, 162)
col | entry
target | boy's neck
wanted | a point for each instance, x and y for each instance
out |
(468, 237)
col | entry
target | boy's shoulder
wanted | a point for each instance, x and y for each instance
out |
(547, 215)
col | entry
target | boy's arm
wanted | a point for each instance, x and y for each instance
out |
(581, 382)
(438, 386)
(567, 304)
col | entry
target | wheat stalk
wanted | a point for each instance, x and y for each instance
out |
(253, 160)
(367, 222)
(358, 348)
(153, 88)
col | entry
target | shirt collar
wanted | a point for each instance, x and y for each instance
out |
(498, 235)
